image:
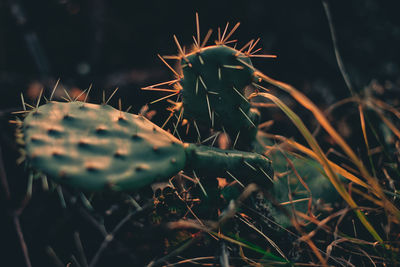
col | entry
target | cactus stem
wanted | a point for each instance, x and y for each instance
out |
(242, 96)
(112, 94)
(54, 89)
(234, 178)
(165, 97)
(202, 82)
(250, 166)
(247, 117)
(236, 139)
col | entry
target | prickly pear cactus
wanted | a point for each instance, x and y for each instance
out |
(215, 162)
(211, 81)
(95, 147)
(214, 81)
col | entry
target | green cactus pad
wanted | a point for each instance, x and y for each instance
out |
(94, 147)
(214, 81)
(248, 167)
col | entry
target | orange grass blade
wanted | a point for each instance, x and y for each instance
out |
(308, 104)
(321, 158)
(336, 167)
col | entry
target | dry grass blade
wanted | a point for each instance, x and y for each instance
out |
(311, 154)
(266, 237)
(321, 158)
(364, 131)
(385, 106)
(389, 124)
(308, 104)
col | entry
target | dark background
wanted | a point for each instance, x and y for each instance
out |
(115, 44)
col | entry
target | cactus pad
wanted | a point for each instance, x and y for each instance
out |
(94, 147)
(214, 81)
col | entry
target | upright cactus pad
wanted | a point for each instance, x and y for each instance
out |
(213, 83)
(95, 147)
